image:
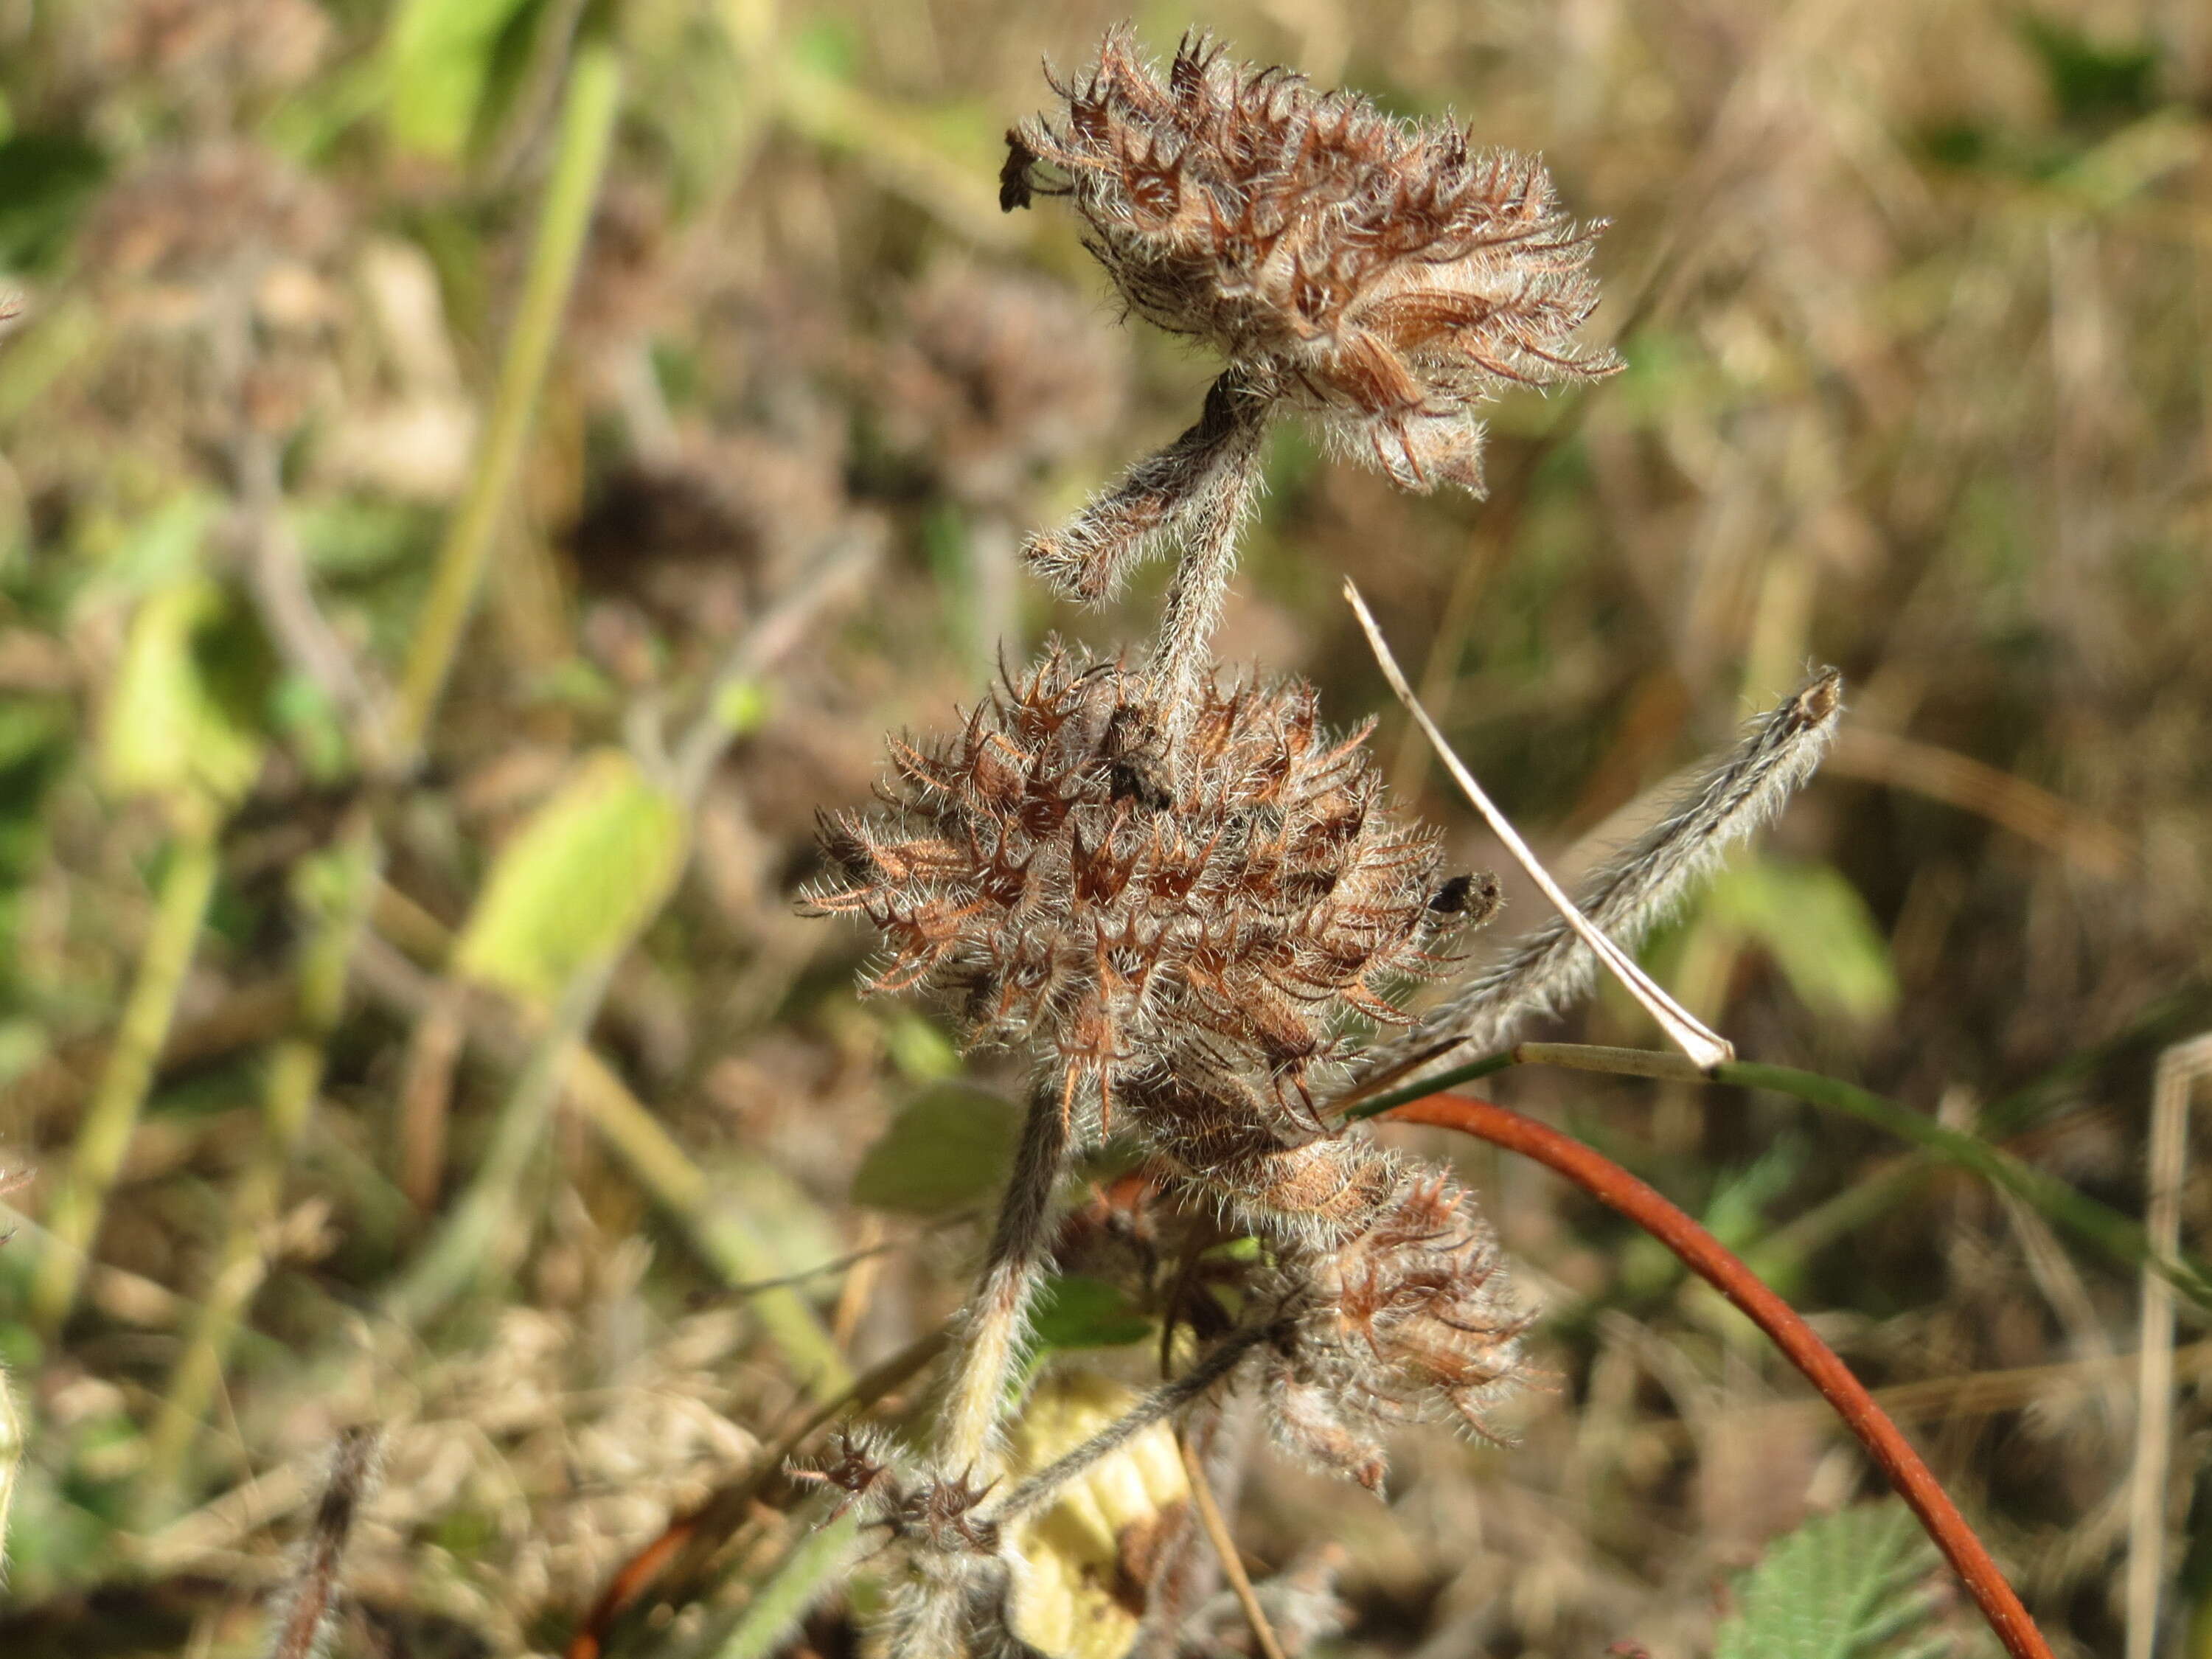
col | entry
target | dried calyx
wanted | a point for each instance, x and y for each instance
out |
(1122, 922)
(1408, 1311)
(1384, 277)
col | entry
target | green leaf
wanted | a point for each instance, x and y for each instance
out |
(161, 550)
(949, 1148)
(919, 1049)
(45, 181)
(743, 707)
(440, 54)
(589, 868)
(1077, 1312)
(1858, 1584)
(182, 713)
(1816, 927)
(2091, 81)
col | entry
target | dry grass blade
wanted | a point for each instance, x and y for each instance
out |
(2032, 813)
(2180, 1069)
(309, 1603)
(12, 1423)
(1706, 1046)
(1225, 1546)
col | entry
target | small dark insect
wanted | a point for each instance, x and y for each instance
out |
(1015, 190)
(1464, 895)
(1130, 779)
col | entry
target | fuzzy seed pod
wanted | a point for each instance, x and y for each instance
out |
(1383, 276)
(1075, 895)
(1413, 1308)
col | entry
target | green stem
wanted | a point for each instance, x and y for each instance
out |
(587, 132)
(722, 1235)
(11, 1457)
(73, 1216)
(293, 1079)
(476, 1240)
(560, 1060)
(2118, 1237)
(818, 1563)
(725, 1237)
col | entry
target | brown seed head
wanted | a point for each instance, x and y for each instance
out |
(1412, 1308)
(1384, 276)
(1072, 895)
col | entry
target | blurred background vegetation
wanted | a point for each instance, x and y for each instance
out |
(402, 1008)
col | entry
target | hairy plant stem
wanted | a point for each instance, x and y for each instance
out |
(1704, 1256)
(73, 1215)
(983, 1360)
(308, 1605)
(1226, 442)
(1163, 1402)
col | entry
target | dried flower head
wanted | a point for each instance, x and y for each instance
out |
(996, 376)
(1385, 276)
(1412, 1308)
(1074, 894)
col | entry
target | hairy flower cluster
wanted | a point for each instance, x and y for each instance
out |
(1389, 1291)
(1179, 896)
(1411, 1307)
(1386, 276)
(1124, 913)
(1182, 944)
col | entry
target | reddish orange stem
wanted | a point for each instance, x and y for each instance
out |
(1704, 1256)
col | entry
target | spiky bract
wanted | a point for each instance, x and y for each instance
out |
(1384, 276)
(1074, 893)
(1412, 1308)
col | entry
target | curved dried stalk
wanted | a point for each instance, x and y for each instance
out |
(1704, 1256)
